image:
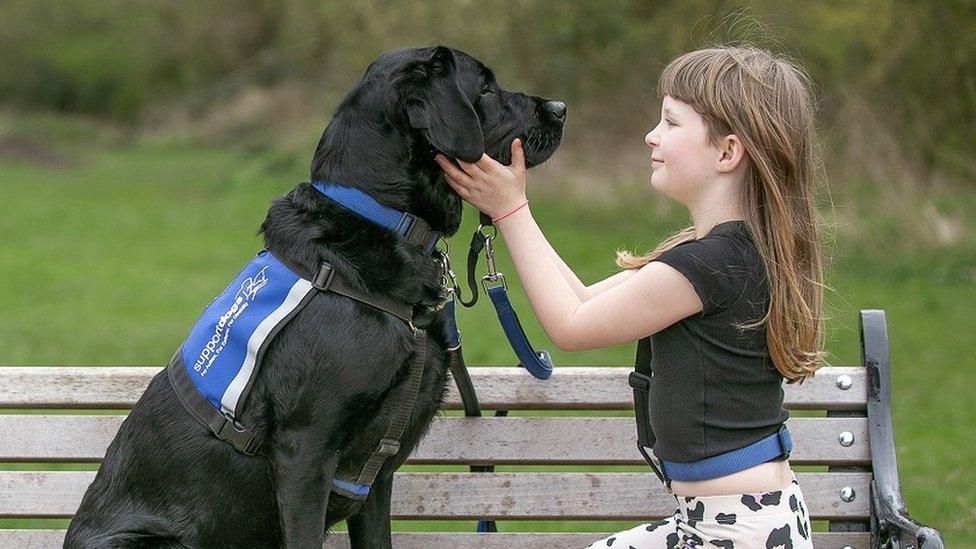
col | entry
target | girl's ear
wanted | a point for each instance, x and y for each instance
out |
(731, 153)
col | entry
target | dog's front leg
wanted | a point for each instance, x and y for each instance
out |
(303, 482)
(370, 527)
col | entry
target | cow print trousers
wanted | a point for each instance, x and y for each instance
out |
(770, 520)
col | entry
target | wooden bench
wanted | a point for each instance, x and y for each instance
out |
(855, 488)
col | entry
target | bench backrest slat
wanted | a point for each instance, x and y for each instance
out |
(499, 388)
(524, 496)
(453, 440)
(44, 539)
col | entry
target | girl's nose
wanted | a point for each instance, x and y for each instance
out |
(651, 139)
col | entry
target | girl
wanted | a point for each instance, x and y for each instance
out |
(731, 304)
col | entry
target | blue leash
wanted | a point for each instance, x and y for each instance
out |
(539, 364)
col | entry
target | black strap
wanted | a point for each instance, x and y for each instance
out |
(389, 445)
(326, 279)
(640, 381)
(399, 309)
(474, 250)
(221, 425)
(477, 244)
(459, 371)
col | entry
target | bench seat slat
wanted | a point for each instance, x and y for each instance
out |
(560, 496)
(44, 539)
(454, 440)
(499, 388)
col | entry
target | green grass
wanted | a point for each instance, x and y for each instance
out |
(109, 260)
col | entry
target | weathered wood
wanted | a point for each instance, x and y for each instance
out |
(500, 540)
(503, 388)
(44, 539)
(453, 440)
(522, 496)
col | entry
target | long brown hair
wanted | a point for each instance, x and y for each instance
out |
(767, 102)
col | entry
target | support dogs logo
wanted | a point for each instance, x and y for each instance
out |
(245, 295)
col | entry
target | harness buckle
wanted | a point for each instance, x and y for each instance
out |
(639, 381)
(785, 441)
(324, 277)
(238, 436)
(388, 447)
(405, 224)
(414, 230)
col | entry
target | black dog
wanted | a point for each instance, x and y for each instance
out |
(334, 375)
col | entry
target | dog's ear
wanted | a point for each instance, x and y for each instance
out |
(436, 105)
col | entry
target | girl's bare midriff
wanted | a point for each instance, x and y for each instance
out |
(766, 477)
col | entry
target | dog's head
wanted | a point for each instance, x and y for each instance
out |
(453, 100)
(412, 103)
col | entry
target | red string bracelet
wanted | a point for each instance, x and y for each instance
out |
(504, 215)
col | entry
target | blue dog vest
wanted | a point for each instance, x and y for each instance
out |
(223, 350)
(214, 369)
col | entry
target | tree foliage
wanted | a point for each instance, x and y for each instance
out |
(913, 64)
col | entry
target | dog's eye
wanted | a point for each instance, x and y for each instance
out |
(486, 91)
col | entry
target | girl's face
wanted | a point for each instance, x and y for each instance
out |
(682, 158)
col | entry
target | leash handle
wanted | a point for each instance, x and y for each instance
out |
(539, 364)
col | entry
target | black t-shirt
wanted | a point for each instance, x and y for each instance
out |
(715, 388)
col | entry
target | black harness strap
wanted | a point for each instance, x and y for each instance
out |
(221, 425)
(640, 380)
(390, 443)
(325, 280)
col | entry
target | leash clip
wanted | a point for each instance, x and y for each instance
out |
(448, 278)
(493, 274)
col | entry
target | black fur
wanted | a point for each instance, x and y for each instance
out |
(333, 377)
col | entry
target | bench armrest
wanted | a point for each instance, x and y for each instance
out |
(891, 526)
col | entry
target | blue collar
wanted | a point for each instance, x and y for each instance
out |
(405, 224)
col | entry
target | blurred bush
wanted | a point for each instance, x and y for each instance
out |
(895, 68)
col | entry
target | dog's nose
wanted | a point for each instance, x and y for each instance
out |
(557, 109)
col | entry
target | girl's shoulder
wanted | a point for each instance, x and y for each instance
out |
(718, 265)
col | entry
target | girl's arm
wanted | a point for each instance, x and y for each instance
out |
(586, 292)
(631, 307)
(638, 304)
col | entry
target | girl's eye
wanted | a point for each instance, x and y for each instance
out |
(669, 122)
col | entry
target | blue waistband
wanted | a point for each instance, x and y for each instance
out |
(775, 445)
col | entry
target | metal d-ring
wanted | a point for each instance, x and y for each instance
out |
(448, 278)
(493, 278)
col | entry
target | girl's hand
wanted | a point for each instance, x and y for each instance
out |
(489, 186)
